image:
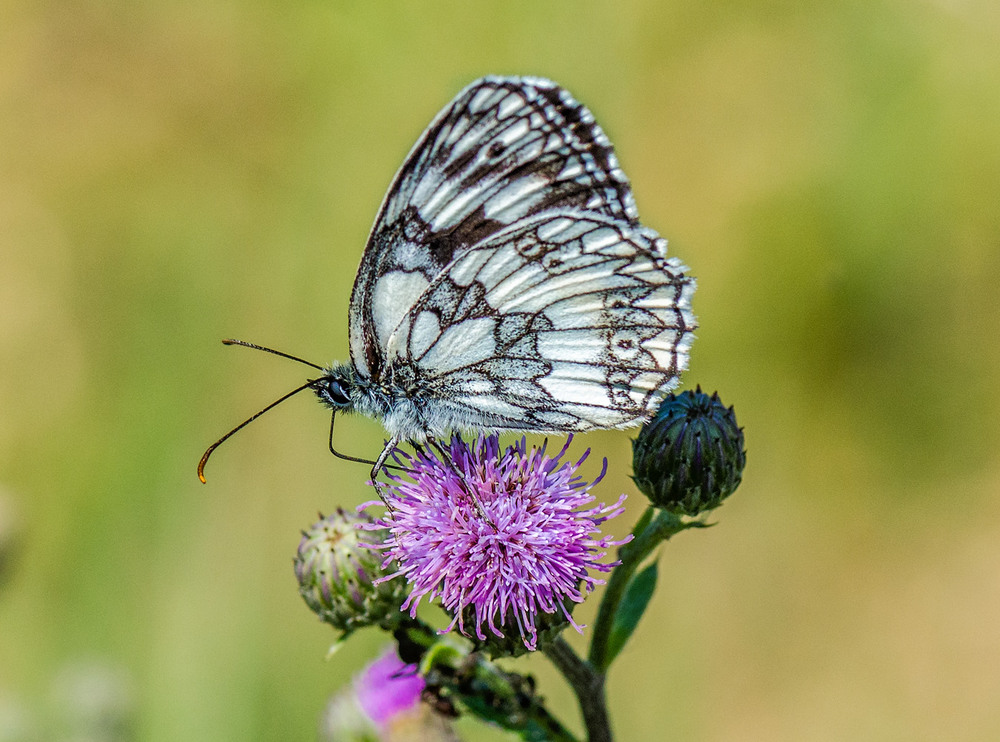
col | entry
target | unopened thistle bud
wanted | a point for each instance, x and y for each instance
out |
(690, 456)
(338, 573)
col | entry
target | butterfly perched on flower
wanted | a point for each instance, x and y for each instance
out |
(507, 284)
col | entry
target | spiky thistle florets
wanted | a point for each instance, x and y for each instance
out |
(499, 535)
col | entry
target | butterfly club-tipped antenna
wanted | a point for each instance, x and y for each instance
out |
(310, 384)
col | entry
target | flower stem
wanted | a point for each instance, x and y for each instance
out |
(587, 683)
(651, 532)
(469, 682)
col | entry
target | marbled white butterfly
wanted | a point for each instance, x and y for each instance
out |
(507, 284)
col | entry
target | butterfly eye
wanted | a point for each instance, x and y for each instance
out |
(334, 393)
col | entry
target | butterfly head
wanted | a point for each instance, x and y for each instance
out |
(334, 388)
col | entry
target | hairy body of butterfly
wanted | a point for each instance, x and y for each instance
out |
(507, 284)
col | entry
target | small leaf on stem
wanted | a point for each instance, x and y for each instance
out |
(637, 594)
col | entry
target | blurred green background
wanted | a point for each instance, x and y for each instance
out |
(176, 172)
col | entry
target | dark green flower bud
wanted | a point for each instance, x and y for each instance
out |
(690, 456)
(337, 570)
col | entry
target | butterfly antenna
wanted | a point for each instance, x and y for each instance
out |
(309, 384)
(245, 344)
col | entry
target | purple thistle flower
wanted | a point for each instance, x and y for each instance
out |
(384, 703)
(495, 535)
(387, 688)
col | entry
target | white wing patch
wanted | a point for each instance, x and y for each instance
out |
(515, 200)
(393, 295)
(464, 271)
(426, 331)
(460, 345)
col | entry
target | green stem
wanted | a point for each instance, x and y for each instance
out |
(587, 683)
(651, 532)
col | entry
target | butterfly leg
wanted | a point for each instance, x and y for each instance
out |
(380, 464)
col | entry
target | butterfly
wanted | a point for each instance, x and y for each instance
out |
(507, 284)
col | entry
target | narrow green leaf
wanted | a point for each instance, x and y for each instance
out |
(637, 594)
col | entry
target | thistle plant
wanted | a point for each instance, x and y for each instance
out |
(507, 540)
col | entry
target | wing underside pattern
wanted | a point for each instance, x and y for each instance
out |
(508, 283)
(567, 321)
(504, 149)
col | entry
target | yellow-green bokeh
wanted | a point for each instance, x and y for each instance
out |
(177, 172)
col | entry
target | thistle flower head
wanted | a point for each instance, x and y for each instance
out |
(387, 688)
(338, 574)
(690, 456)
(498, 536)
(384, 704)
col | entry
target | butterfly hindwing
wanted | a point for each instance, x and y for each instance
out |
(567, 320)
(503, 150)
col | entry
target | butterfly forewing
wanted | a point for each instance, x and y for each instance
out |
(503, 150)
(509, 147)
